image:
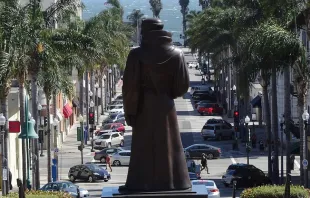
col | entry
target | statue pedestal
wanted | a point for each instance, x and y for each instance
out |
(197, 191)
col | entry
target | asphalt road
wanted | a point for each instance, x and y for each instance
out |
(190, 124)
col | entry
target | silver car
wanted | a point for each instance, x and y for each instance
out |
(213, 191)
(121, 158)
(217, 131)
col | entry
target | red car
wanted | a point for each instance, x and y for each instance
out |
(210, 109)
(119, 127)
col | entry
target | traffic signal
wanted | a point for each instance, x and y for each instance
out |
(45, 121)
(180, 36)
(236, 116)
(91, 118)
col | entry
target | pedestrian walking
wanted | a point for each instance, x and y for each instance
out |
(261, 146)
(253, 140)
(108, 162)
(204, 163)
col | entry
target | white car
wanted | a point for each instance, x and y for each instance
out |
(121, 158)
(213, 191)
(112, 111)
(108, 140)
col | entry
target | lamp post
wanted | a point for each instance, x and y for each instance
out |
(55, 124)
(110, 87)
(41, 131)
(247, 120)
(282, 128)
(81, 119)
(28, 133)
(97, 103)
(4, 174)
(305, 117)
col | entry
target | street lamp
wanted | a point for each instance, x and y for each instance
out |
(81, 119)
(4, 173)
(305, 117)
(247, 120)
(282, 128)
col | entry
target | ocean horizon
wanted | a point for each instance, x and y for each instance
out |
(170, 14)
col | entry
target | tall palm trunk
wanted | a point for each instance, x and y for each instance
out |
(275, 125)
(87, 102)
(267, 120)
(36, 164)
(81, 94)
(22, 120)
(49, 157)
(101, 93)
(287, 114)
(55, 136)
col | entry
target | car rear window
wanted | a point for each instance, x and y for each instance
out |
(206, 105)
(206, 183)
(208, 127)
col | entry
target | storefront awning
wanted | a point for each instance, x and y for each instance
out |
(67, 111)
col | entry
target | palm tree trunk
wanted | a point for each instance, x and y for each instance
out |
(275, 125)
(267, 121)
(87, 103)
(49, 157)
(5, 110)
(36, 167)
(55, 136)
(101, 94)
(22, 120)
(301, 106)
(81, 94)
(287, 114)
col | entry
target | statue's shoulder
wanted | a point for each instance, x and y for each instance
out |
(135, 51)
(178, 51)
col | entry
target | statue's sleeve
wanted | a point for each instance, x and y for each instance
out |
(181, 78)
(131, 84)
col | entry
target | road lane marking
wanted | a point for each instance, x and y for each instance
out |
(233, 160)
(297, 164)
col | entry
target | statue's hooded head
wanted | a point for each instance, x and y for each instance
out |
(151, 24)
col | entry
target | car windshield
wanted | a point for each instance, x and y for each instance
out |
(105, 127)
(53, 186)
(206, 183)
(104, 137)
(206, 105)
(93, 167)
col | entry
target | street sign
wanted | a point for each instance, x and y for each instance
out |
(56, 150)
(305, 163)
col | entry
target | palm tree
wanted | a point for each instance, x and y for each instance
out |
(156, 7)
(134, 17)
(184, 11)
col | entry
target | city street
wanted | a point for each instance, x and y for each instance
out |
(190, 124)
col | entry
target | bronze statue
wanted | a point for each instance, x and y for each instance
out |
(154, 76)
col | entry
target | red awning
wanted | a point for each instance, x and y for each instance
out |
(67, 111)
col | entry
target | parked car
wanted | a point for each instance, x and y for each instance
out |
(213, 191)
(196, 150)
(217, 121)
(121, 158)
(109, 139)
(210, 109)
(66, 186)
(116, 110)
(217, 131)
(203, 96)
(202, 102)
(199, 88)
(116, 102)
(111, 127)
(120, 97)
(245, 176)
(177, 44)
(101, 155)
(115, 106)
(121, 120)
(88, 172)
(112, 118)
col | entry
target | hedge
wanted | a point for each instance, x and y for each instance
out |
(42, 194)
(273, 191)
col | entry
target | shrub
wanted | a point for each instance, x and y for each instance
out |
(42, 194)
(273, 191)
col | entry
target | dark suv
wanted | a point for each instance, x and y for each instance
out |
(88, 172)
(245, 175)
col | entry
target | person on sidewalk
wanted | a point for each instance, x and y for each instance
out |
(108, 163)
(253, 139)
(204, 164)
(261, 146)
